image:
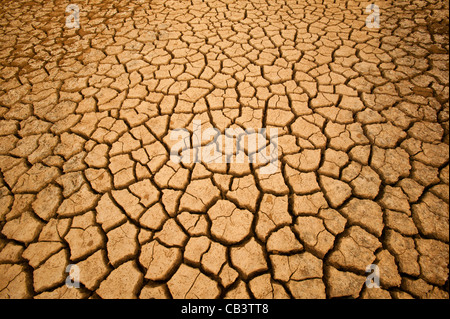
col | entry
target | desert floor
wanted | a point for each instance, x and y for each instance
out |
(93, 205)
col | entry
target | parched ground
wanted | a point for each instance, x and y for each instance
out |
(87, 180)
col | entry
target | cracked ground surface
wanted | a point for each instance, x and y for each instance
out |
(363, 133)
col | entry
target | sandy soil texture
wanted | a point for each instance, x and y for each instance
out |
(361, 176)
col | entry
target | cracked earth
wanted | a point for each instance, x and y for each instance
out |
(363, 133)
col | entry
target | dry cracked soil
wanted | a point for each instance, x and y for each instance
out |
(86, 177)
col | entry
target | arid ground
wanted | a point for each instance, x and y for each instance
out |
(92, 205)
